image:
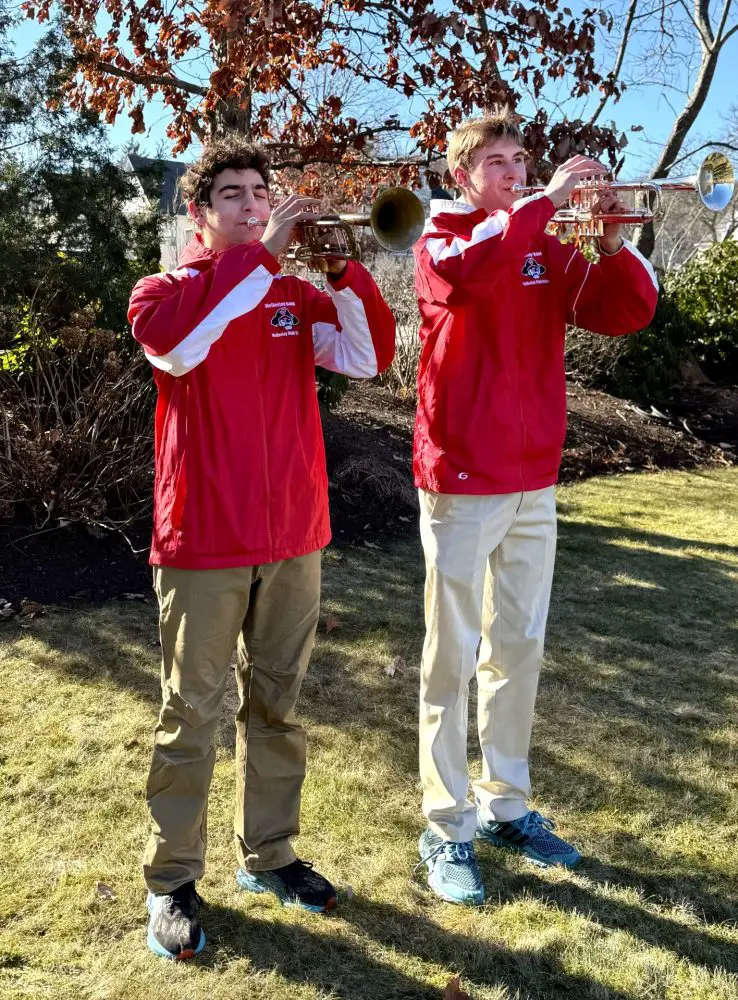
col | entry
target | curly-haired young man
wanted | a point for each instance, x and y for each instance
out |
(240, 517)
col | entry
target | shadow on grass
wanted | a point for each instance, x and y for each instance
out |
(635, 635)
(335, 963)
(695, 944)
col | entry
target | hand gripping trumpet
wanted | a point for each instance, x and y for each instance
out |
(714, 183)
(396, 220)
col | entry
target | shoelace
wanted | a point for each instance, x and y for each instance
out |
(456, 853)
(537, 821)
(301, 875)
(185, 899)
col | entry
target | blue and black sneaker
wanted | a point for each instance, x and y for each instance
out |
(453, 873)
(296, 884)
(531, 835)
(174, 930)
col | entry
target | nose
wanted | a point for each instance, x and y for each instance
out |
(248, 201)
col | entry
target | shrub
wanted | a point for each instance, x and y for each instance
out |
(394, 275)
(76, 428)
(696, 320)
(592, 360)
(705, 292)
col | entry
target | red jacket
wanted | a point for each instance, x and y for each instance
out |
(240, 463)
(495, 294)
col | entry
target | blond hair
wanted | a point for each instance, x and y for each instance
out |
(477, 132)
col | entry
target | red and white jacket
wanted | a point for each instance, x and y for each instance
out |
(495, 294)
(240, 463)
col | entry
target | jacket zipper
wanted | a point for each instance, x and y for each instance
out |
(266, 462)
(523, 431)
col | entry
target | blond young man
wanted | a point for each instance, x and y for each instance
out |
(495, 294)
(240, 517)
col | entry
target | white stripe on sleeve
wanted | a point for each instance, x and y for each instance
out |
(193, 350)
(627, 245)
(184, 272)
(440, 249)
(349, 350)
(646, 263)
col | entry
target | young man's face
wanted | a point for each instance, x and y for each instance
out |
(236, 197)
(493, 171)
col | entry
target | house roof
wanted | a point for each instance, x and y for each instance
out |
(161, 176)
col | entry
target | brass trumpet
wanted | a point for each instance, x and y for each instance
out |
(396, 220)
(714, 183)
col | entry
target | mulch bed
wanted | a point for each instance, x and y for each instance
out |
(369, 443)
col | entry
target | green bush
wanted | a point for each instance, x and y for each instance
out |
(650, 363)
(705, 293)
(696, 320)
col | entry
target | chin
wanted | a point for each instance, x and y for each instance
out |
(246, 235)
(498, 202)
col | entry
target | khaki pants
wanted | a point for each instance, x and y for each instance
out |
(489, 566)
(270, 614)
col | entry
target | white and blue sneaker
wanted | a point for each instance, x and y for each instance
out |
(174, 930)
(531, 835)
(453, 873)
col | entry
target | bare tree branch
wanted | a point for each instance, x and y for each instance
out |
(721, 36)
(702, 18)
(694, 103)
(705, 145)
(729, 33)
(615, 72)
(144, 79)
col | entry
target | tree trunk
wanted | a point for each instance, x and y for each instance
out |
(711, 47)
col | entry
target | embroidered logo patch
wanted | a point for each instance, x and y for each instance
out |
(532, 268)
(285, 321)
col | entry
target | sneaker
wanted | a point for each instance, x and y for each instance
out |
(531, 835)
(296, 884)
(453, 873)
(174, 930)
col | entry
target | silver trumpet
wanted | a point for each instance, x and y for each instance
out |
(714, 183)
(396, 220)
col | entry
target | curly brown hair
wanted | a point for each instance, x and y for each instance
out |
(232, 152)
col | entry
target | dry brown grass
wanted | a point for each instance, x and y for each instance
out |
(635, 752)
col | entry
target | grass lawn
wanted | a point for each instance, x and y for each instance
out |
(635, 753)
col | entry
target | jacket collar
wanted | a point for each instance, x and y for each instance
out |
(442, 206)
(197, 253)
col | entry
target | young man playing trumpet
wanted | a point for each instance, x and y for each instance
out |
(240, 517)
(495, 294)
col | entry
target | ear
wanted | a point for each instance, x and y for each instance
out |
(197, 213)
(461, 177)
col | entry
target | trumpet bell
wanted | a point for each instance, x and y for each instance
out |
(715, 182)
(397, 219)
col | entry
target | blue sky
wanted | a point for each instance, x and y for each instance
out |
(649, 106)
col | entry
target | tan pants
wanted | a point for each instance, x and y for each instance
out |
(270, 614)
(489, 566)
